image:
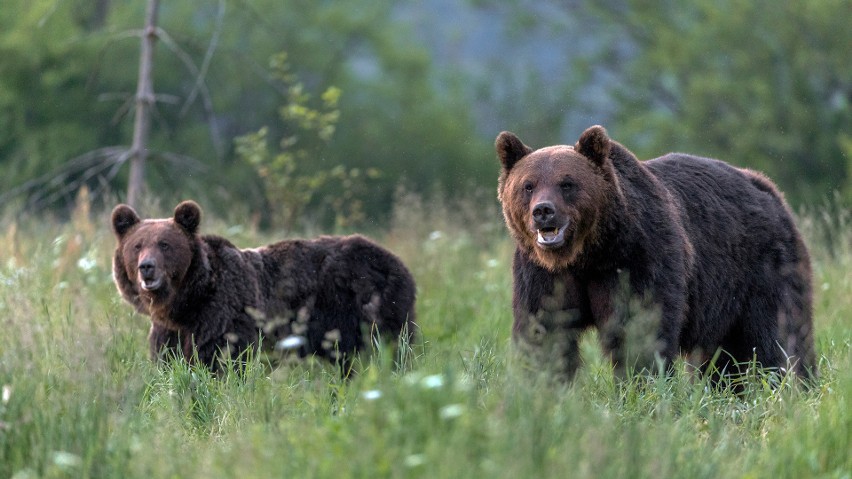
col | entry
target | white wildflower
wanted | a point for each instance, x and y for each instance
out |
(414, 460)
(86, 264)
(432, 382)
(66, 459)
(290, 342)
(451, 411)
(371, 395)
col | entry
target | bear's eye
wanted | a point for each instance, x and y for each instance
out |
(567, 186)
(163, 245)
(528, 187)
(137, 246)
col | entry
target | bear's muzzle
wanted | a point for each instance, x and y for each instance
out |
(148, 278)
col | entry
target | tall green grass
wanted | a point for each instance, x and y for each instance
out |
(81, 399)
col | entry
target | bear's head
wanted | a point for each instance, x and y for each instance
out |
(554, 198)
(154, 256)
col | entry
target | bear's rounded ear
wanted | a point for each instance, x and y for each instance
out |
(594, 144)
(188, 216)
(510, 149)
(123, 218)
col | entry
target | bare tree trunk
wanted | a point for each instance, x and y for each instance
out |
(144, 102)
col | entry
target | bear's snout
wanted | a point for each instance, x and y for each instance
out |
(543, 213)
(548, 224)
(148, 274)
(147, 268)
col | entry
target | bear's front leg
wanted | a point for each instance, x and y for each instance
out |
(637, 325)
(549, 318)
(164, 343)
(549, 342)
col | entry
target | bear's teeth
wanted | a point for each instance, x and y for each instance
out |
(549, 236)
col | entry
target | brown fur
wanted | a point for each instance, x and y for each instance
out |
(207, 298)
(708, 252)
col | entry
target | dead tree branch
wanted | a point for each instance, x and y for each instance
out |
(144, 101)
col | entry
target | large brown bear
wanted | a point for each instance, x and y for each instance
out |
(702, 257)
(207, 298)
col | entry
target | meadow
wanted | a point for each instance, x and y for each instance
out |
(81, 399)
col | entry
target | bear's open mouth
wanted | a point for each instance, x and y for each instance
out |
(151, 284)
(551, 237)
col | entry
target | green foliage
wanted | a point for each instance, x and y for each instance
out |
(70, 68)
(48, 53)
(81, 399)
(763, 84)
(288, 187)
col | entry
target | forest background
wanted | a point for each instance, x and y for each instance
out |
(318, 112)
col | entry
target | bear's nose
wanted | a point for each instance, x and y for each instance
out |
(146, 267)
(543, 212)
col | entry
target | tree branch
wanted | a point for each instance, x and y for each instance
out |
(144, 101)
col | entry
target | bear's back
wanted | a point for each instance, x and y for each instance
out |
(714, 195)
(739, 228)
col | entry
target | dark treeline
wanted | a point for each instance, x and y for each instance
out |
(325, 108)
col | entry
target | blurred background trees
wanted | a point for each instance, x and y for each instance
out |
(422, 89)
(762, 83)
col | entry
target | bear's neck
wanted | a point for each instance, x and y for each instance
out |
(197, 287)
(609, 246)
(607, 253)
(631, 227)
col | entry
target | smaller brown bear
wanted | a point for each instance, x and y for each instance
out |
(208, 299)
(674, 255)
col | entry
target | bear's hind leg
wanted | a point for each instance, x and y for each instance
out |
(773, 332)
